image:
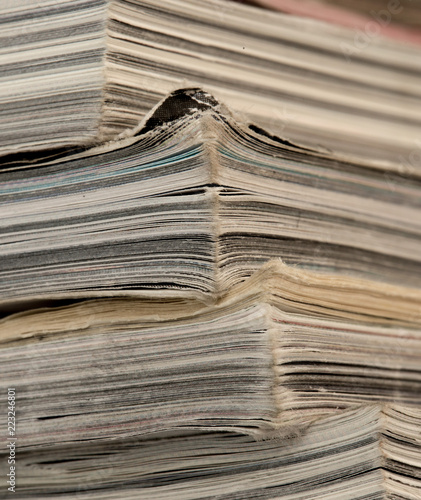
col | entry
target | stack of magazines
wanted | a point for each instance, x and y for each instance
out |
(210, 248)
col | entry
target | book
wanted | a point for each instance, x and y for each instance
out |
(80, 73)
(195, 202)
(280, 350)
(369, 452)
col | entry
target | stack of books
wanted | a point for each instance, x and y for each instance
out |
(210, 245)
